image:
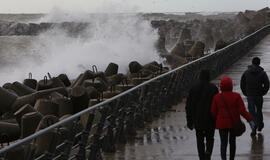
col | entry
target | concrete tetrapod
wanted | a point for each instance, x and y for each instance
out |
(57, 82)
(82, 77)
(29, 123)
(46, 107)
(79, 98)
(16, 153)
(22, 89)
(32, 83)
(44, 84)
(9, 132)
(92, 92)
(7, 99)
(22, 111)
(134, 67)
(8, 87)
(65, 106)
(43, 141)
(18, 88)
(31, 99)
(111, 69)
(64, 78)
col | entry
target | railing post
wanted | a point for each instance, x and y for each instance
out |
(108, 140)
(148, 112)
(120, 129)
(52, 148)
(69, 141)
(138, 117)
(81, 155)
(95, 153)
(108, 144)
(30, 151)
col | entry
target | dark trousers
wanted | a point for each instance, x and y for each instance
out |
(225, 136)
(255, 109)
(205, 149)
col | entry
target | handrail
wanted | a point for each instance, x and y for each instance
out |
(62, 122)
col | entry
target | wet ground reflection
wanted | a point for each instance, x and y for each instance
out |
(257, 147)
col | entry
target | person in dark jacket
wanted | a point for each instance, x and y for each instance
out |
(198, 114)
(255, 84)
(230, 101)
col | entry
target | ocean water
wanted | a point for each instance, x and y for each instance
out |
(118, 38)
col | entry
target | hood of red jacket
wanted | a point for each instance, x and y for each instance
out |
(226, 84)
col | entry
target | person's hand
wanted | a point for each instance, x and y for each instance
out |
(190, 126)
(252, 125)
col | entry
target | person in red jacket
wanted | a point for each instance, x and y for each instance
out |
(224, 123)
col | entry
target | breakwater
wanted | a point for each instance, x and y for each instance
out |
(109, 121)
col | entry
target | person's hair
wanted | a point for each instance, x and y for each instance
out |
(204, 75)
(256, 61)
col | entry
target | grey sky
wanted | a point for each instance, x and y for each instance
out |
(44, 6)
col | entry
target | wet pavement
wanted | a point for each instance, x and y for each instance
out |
(167, 138)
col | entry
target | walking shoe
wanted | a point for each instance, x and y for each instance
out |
(253, 133)
(260, 127)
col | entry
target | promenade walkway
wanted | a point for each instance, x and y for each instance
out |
(167, 138)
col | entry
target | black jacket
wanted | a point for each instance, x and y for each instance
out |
(198, 105)
(254, 81)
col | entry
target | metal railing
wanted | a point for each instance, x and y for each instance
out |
(86, 134)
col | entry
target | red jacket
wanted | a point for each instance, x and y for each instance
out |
(234, 102)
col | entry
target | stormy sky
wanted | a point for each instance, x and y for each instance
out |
(45, 6)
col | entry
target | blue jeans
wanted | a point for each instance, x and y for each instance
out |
(255, 109)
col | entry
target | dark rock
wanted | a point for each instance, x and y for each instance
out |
(185, 35)
(21, 29)
(241, 18)
(160, 45)
(179, 50)
(197, 49)
(34, 29)
(250, 14)
(173, 59)
(220, 44)
(4, 28)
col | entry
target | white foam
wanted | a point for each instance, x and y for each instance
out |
(118, 38)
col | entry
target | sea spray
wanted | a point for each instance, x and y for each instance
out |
(118, 38)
